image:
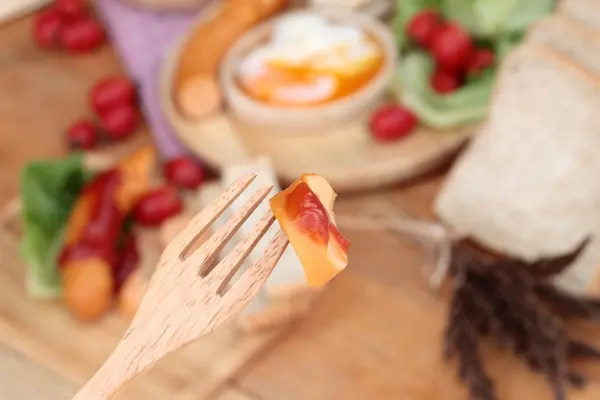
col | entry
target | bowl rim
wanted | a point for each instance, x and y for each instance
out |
(369, 92)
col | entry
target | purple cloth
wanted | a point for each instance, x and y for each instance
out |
(143, 38)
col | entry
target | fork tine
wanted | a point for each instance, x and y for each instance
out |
(198, 225)
(222, 236)
(229, 265)
(254, 278)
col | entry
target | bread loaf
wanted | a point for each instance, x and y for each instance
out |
(528, 185)
(569, 38)
(586, 12)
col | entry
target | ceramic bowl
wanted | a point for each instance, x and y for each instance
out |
(264, 116)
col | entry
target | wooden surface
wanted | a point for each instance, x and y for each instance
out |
(375, 333)
(344, 152)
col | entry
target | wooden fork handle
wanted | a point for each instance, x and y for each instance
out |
(124, 364)
(106, 381)
(135, 354)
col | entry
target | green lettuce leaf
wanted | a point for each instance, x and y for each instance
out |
(466, 105)
(463, 12)
(492, 14)
(505, 43)
(524, 13)
(492, 18)
(48, 191)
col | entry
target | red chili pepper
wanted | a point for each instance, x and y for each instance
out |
(97, 217)
(99, 235)
(84, 250)
(128, 261)
(105, 217)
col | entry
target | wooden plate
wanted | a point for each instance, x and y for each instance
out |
(344, 154)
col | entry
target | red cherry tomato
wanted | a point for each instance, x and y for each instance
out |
(120, 122)
(445, 82)
(157, 206)
(184, 172)
(128, 261)
(452, 48)
(71, 10)
(392, 122)
(82, 135)
(481, 59)
(47, 28)
(82, 36)
(111, 92)
(424, 27)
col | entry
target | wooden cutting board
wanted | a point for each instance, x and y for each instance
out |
(45, 333)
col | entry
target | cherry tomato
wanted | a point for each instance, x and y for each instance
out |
(424, 27)
(392, 122)
(47, 28)
(157, 206)
(82, 36)
(445, 82)
(111, 92)
(71, 10)
(120, 122)
(128, 261)
(82, 135)
(452, 48)
(184, 172)
(481, 59)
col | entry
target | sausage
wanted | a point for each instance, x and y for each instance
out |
(89, 253)
(196, 89)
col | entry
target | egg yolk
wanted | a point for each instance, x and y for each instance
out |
(283, 84)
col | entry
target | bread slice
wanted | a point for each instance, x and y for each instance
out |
(569, 38)
(528, 186)
(586, 12)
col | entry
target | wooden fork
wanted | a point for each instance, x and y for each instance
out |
(185, 300)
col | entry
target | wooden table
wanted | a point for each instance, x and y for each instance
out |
(376, 333)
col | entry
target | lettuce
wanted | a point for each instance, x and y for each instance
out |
(464, 13)
(524, 13)
(48, 191)
(501, 24)
(441, 111)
